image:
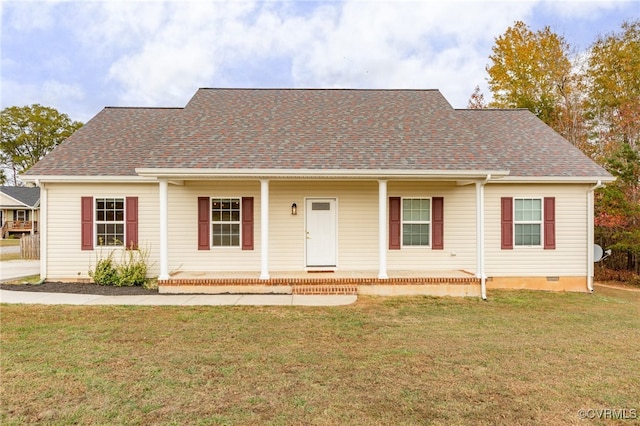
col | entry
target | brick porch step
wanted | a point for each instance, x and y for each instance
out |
(325, 289)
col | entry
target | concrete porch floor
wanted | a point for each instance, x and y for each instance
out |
(434, 282)
(318, 275)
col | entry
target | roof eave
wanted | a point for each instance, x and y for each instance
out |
(37, 179)
(558, 179)
(204, 174)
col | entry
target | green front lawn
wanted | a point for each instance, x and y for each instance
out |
(518, 358)
(8, 242)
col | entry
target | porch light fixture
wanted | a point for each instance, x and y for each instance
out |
(294, 209)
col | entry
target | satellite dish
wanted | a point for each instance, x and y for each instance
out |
(597, 253)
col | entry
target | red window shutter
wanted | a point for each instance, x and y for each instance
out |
(437, 221)
(507, 223)
(395, 219)
(549, 223)
(131, 223)
(204, 223)
(247, 223)
(87, 223)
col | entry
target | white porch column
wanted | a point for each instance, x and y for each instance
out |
(382, 230)
(480, 238)
(164, 230)
(264, 229)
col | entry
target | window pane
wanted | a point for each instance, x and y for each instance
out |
(109, 221)
(321, 206)
(226, 235)
(529, 209)
(527, 234)
(536, 209)
(425, 210)
(415, 234)
(519, 204)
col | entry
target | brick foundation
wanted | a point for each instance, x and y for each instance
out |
(324, 285)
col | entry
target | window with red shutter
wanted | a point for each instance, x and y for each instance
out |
(395, 220)
(87, 223)
(507, 223)
(131, 223)
(549, 223)
(247, 223)
(437, 220)
(204, 223)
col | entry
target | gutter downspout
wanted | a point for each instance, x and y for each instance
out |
(590, 233)
(480, 270)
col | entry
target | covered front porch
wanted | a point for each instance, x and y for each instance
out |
(398, 282)
(349, 219)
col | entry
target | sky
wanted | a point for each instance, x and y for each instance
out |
(81, 56)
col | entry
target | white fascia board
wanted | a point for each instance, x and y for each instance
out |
(86, 179)
(556, 179)
(203, 174)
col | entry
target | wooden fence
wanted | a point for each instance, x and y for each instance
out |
(30, 246)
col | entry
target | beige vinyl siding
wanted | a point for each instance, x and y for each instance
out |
(357, 227)
(570, 255)
(5, 200)
(459, 229)
(65, 259)
(183, 228)
(356, 215)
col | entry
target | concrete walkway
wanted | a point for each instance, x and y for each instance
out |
(14, 269)
(25, 297)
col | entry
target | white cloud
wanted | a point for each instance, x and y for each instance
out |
(25, 17)
(159, 53)
(66, 98)
(585, 9)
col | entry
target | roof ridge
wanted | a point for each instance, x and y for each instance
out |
(140, 107)
(335, 89)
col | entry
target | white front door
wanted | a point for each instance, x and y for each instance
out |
(321, 232)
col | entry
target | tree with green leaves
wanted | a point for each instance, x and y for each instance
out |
(29, 133)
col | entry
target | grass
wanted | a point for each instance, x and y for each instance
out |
(518, 358)
(9, 243)
(10, 256)
(31, 279)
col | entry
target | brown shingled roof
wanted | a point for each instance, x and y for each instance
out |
(113, 143)
(314, 129)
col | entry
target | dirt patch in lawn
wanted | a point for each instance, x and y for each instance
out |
(78, 288)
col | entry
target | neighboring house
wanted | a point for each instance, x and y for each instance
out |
(18, 211)
(311, 191)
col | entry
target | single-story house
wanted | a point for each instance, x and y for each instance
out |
(19, 208)
(315, 191)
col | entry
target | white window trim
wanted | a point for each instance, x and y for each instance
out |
(402, 223)
(24, 215)
(529, 222)
(96, 222)
(239, 246)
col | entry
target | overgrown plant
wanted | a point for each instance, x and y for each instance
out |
(130, 271)
(105, 272)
